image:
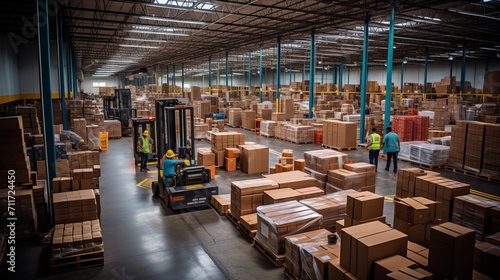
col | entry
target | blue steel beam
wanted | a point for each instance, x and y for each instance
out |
(402, 74)
(46, 96)
(60, 64)
(290, 74)
(341, 76)
(260, 75)
(390, 57)
(278, 72)
(335, 74)
(364, 72)
(304, 72)
(312, 66)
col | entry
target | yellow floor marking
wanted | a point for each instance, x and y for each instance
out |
(142, 182)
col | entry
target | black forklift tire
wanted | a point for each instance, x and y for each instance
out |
(155, 188)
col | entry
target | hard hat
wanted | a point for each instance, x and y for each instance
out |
(170, 154)
(187, 162)
(145, 133)
(82, 141)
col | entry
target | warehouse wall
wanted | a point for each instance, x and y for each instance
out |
(19, 72)
(9, 76)
(87, 84)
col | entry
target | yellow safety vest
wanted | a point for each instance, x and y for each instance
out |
(145, 144)
(375, 141)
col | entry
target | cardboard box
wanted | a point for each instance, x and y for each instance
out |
(249, 221)
(293, 180)
(232, 152)
(205, 157)
(365, 205)
(412, 211)
(415, 232)
(230, 164)
(280, 195)
(390, 264)
(221, 203)
(254, 159)
(451, 251)
(212, 171)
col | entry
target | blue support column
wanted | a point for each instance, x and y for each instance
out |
(348, 75)
(452, 86)
(402, 75)
(278, 73)
(290, 74)
(312, 68)
(426, 63)
(462, 74)
(249, 73)
(364, 72)
(260, 75)
(46, 96)
(322, 75)
(341, 76)
(182, 80)
(60, 64)
(390, 56)
(227, 70)
(210, 75)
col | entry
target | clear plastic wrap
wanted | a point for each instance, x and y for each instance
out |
(300, 134)
(478, 207)
(351, 118)
(268, 128)
(276, 221)
(404, 149)
(429, 154)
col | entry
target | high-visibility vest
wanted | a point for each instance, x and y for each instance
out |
(145, 144)
(375, 141)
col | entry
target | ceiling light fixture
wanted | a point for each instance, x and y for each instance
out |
(450, 57)
(158, 33)
(138, 46)
(174, 20)
(145, 40)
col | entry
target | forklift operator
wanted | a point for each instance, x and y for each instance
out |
(169, 166)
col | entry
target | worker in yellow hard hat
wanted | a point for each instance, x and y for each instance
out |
(169, 167)
(144, 148)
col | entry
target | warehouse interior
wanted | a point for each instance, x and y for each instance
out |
(269, 106)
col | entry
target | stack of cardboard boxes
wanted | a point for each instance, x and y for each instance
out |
(267, 128)
(307, 254)
(288, 194)
(254, 159)
(293, 180)
(363, 245)
(206, 157)
(247, 195)
(440, 189)
(234, 117)
(30, 120)
(406, 179)
(76, 238)
(74, 206)
(300, 134)
(478, 213)
(319, 162)
(114, 128)
(415, 216)
(339, 134)
(451, 251)
(13, 150)
(411, 128)
(286, 106)
(363, 207)
(21, 200)
(222, 140)
(221, 203)
(332, 207)
(275, 221)
(248, 119)
(231, 159)
(284, 164)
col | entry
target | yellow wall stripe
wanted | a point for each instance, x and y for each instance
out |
(19, 96)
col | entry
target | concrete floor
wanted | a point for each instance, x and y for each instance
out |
(145, 240)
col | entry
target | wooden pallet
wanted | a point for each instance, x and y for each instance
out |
(233, 126)
(277, 260)
(77, 261)
(232, 218)
(422, 165)
(266, 135)
(299, 143)
(290, 275)
(471, 173)
(249, 234)
(340, 149)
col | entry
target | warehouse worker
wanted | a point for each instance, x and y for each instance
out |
(391, 139)
(143, 148)
(75, 139)
(169, 165)
(374, 147)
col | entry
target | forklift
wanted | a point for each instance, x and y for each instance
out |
(119, 107)
(192, 186)
(139, 125)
